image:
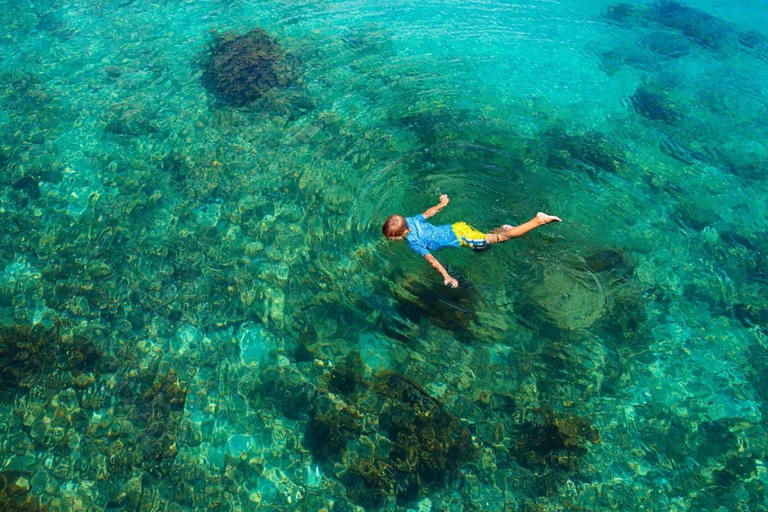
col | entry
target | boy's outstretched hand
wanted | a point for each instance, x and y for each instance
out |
(443, 199)
(449, 281)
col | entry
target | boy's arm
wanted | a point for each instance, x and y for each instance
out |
(447, 279)
(432, 211)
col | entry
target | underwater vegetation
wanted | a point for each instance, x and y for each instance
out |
(596, 291)
(29, 354)
(679, 152)
(699, 27)
(549, 440)
(624, 14)
(589, 150)
(666, 44)
(242, 68)
(755, 43)
(654, 106)
(395, 444)
(24, 355)
(451, 309)
(429, 442)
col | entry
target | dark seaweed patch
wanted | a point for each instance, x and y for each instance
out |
(700, 27)
(448, 308)
(624, 14)
(654, 106)
(14, 493)
(25, 354)
(243, 68)
(753, 40)
(28, 185)
(156, 419)
(667, 44)
(590, 150)
(680, 152)
(551, 445)
(610, 260)
(417, 443)
(49, 22)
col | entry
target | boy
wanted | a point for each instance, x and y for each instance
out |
(423, 237)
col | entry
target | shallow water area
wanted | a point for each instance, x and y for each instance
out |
(198, 310)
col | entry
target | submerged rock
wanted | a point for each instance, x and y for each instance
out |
(242, 68)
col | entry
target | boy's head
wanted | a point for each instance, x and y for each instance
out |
(395, 227)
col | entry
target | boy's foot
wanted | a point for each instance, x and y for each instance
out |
(543, 218)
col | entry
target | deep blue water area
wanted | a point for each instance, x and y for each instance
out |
(198, 311)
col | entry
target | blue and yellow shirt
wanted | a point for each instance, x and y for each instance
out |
(425, 237)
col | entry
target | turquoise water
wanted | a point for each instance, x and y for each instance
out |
(198, 310)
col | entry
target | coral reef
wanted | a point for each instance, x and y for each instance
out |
(243, 68)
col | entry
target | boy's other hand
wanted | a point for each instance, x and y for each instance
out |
(449, 281)
(444, 199)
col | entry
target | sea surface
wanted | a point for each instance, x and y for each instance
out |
(198, 311)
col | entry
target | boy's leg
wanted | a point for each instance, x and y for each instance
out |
(513, 232)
